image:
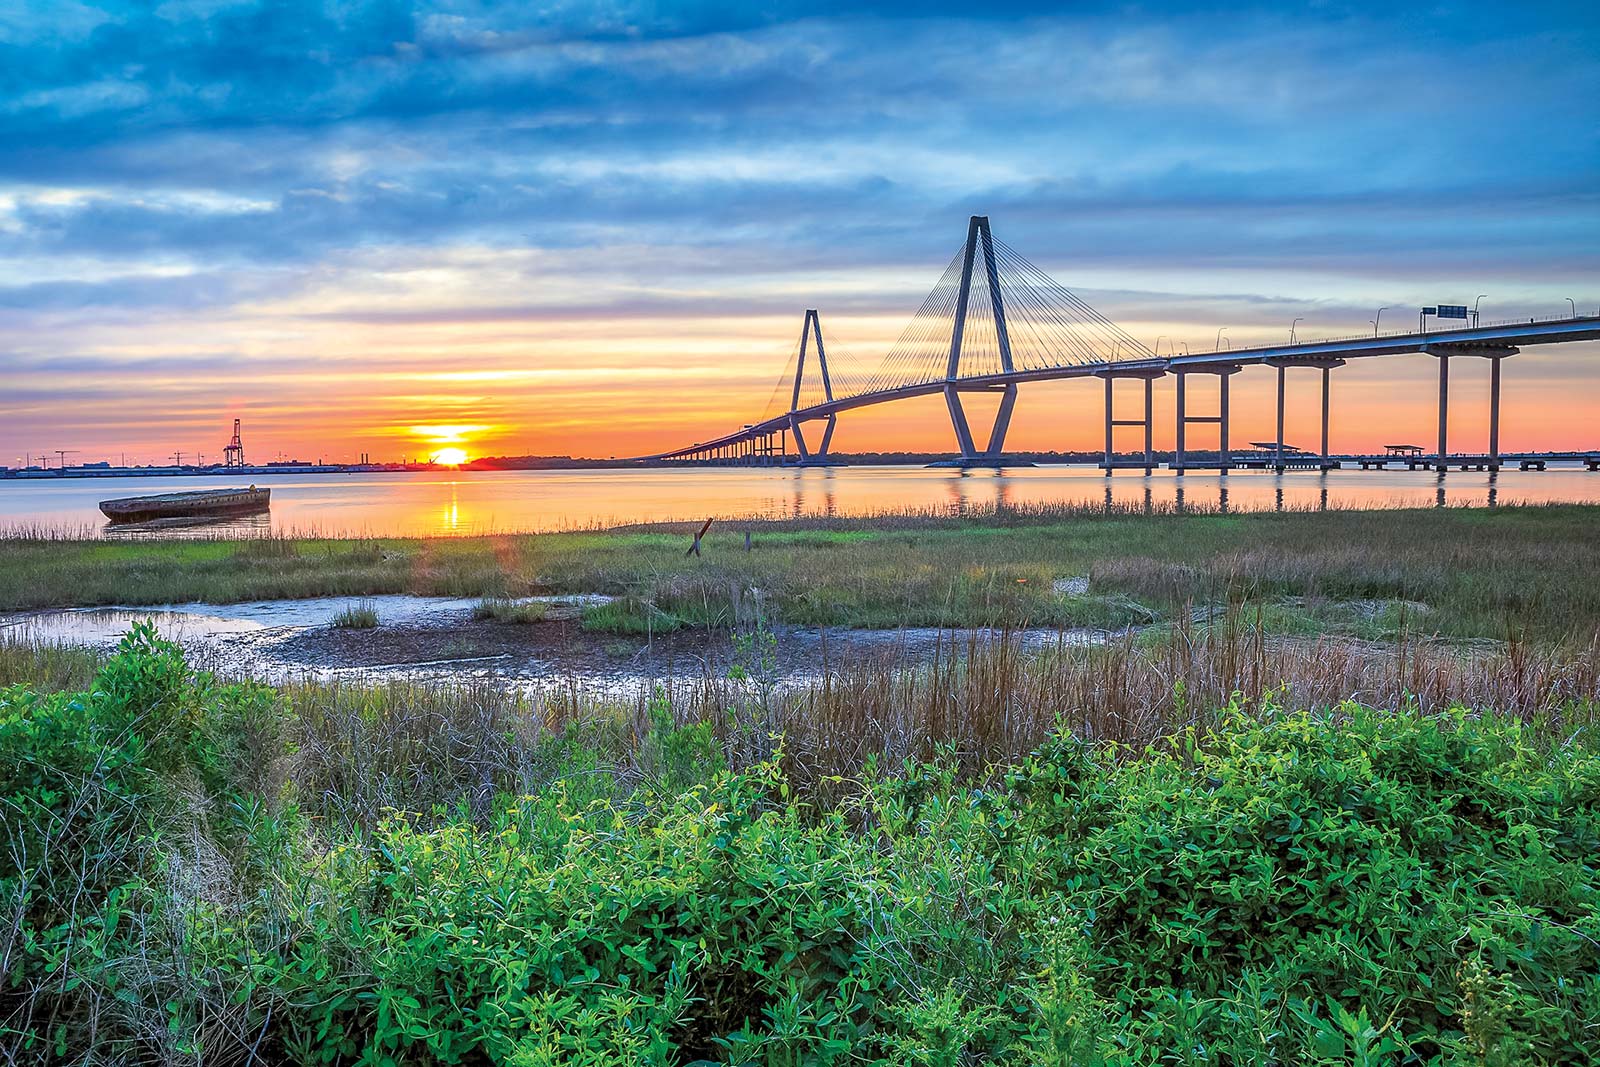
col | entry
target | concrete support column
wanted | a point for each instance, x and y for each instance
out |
(1444, 412)
(1002, 422)
(802, 453)
(1222, 450)
(1149, 424)
(1494, 414)
(1183, 415)
(827, 437)
(1326, 373)
(1109, 380)
(958, 415)
(1277, 458)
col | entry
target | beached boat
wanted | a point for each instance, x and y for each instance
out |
(199, 504)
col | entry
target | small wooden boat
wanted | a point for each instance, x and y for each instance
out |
(198, 504)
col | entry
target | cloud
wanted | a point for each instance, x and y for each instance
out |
(262, 179)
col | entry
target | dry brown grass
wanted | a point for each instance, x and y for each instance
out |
(361, 750)
(982, 700)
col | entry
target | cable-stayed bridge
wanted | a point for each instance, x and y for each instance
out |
(995, 321)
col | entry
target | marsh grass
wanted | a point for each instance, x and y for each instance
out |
(505, 609)
(363, 616)
(1475, 573)
(48, 667)
(632, 616)
(981, 701)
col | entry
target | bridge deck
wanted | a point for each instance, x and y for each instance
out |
(1493, 339)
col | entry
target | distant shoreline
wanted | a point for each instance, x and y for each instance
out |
(1195, 458)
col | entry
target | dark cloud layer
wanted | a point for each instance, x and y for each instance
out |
(352, 123)
(202, 157)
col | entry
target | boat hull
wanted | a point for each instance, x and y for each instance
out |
(206, 503)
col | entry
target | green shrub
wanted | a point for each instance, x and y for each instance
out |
(103, 793)
(1370, 887)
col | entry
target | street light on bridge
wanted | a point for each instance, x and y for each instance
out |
(1574, 304)
(1218, 346)
(1378, 319)
(1475, 310)
(1292, 338)
(1159, 339)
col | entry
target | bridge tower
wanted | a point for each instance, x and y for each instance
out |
(980, 242)
(811, 333)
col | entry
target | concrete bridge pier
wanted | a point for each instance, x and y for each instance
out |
(1444, 414)
(806, 456)
(1224, 371)
(1149, 376)
(1282, 364)
(1494, 354)
(995, 447)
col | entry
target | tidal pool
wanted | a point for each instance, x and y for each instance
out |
(436, 639)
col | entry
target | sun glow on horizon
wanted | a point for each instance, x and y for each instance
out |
(450, 457)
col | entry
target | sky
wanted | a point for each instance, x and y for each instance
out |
(593, 228)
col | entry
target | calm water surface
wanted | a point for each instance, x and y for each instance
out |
(475, 502)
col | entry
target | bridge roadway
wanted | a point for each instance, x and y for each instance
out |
(753, 443)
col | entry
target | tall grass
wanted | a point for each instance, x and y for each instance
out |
(1476, 573)
(507, 609)
(362, 616)
(363, 749)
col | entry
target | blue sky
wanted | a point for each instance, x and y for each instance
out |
(348, 220)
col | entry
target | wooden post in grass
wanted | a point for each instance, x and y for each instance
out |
(694, 549)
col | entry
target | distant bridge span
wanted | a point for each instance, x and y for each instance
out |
(995, 322)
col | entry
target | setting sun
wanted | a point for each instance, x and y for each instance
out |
(450, 457)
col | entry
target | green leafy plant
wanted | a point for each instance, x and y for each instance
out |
(1363, 887)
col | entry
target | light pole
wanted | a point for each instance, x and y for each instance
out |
(1378, 319)
(1475, 310)
(1218, 347)
(1574, 304)
(1159, 339)
(1186, 348)
(1292, 339)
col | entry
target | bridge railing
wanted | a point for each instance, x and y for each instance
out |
(1394, 334)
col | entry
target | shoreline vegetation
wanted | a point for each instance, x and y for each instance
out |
(1508, 572)
(209, 872)
(1328, 798)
